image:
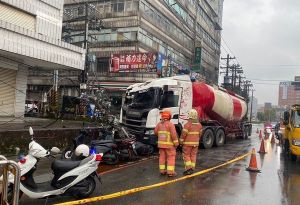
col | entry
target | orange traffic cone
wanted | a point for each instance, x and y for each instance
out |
(273, 139)
(253, 163)
(262, 149)
(260, 135)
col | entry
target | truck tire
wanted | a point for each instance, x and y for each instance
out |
(208, 139)
(220, 138)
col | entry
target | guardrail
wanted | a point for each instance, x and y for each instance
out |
(8, 166)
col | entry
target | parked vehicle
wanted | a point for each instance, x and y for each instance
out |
(74, 178)
(291, 136)
(115, 144)
(221, 112)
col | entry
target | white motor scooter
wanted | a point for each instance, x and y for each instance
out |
(74, 178)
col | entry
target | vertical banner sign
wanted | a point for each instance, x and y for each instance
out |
(197, 61)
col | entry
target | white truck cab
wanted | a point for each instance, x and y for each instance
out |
(143, 103)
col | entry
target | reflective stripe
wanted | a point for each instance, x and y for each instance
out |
(170, 168)
(188, 163)
(193, 164)
(193, 133)
(185, 130)
(191, 143)
(165, 143)
(162, 167)
(164, 132)
(196, 123)
(175, 141)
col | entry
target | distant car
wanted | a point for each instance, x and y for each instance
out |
(268, 128)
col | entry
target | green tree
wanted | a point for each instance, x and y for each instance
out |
(261, 116)
(270, 115)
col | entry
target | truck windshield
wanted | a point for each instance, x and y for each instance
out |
(296, 119)
(142, 99)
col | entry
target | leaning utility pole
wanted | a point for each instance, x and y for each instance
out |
(91, 22)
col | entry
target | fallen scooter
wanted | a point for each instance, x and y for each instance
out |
(111, 149)
(73, 178)
(115, 144)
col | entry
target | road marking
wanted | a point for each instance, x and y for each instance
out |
(143, 188)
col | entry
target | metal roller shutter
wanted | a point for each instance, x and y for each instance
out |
(7, 92)
(17, 17)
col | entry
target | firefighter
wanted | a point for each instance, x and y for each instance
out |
(167, 143)
(190, 140)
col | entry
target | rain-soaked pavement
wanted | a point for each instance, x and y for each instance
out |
(278, 182)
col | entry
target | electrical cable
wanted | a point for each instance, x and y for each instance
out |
(256, 79)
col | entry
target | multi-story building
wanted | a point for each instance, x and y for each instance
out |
(289, 92)
(31, 38)
(179, 35)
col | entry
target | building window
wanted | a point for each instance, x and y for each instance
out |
(17, 17)
(102, 65)
(119, 6)
(80, 10)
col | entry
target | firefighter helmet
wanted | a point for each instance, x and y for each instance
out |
(193, 114)
(166, 114)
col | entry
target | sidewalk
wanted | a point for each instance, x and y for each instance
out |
(13, 124)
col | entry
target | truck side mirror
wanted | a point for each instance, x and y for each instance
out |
(286, 117)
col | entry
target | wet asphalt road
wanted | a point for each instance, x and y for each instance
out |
(278, 182)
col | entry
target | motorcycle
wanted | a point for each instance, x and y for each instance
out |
(115, 144)
(113, 149)
(72, 178)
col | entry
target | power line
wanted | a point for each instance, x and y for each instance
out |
(260, 83)
(256, 79)
(274, 65)
(229, 48)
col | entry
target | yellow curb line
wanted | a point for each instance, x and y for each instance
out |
(139, 189)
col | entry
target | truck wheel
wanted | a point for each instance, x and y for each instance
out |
(220, 138)
(208, 139)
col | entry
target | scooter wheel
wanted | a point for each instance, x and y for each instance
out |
(90, 184)
(10, 194)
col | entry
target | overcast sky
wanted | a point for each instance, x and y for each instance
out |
(264, 35)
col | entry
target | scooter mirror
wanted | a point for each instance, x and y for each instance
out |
(30, 131)
(55, 150)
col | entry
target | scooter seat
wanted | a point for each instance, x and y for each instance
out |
(98, 142)
(62, 166)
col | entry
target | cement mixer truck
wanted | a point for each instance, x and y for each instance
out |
(221, 113)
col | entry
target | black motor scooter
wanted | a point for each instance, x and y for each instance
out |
(115, 144)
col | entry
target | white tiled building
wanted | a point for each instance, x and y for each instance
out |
(30, 36)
